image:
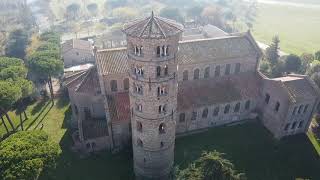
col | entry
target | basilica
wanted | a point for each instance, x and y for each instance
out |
(161, 86)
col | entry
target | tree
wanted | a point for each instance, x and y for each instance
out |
(26, 154)
(195, 11)
(15, 87)
(172, 13)
(306, 60)
(46, 64)
(314, 68)
(213, 15)
(292, 63)
(210, 166)
(125, 13)
(9, 94)
(317, 55)
(73, 11)
(17, 43)
(93, 9)
(272, 52)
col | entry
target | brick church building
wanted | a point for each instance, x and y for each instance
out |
(159, 87)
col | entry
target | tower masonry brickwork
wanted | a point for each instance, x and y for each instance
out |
(160, 87)
(152, 49)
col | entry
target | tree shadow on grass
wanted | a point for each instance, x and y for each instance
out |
(43, 109)
(39, 106)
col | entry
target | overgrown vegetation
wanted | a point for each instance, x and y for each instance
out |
(26, 154)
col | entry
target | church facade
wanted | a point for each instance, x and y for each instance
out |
(159, 87)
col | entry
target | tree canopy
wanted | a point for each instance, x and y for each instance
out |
(172, 13)
(25, 154)
(211, 165)
(17, 43)
(292, 63)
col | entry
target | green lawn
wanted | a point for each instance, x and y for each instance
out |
(249, 146)
(297, 27)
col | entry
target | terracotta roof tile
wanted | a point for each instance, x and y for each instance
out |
(119, 105)
(152, 27)
(194, 94)
(114, 61)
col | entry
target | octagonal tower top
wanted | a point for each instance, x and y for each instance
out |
(153, 27)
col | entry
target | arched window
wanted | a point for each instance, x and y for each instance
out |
(139, 126)
(114, 86)
(194, 115)
(207, 72)
(185, 75)
(294, 124)
(76, 109)
(182, 117)
(196, 74)
(277, 107)
(294, 111)
(216, 111)
(306, 108)
(228, 67)
(167, 50)
(158, 71)
(267, 98)
(247, 106)
(162, 91)
(162, 128)
(126, 84)
(227, 109)
(287, 127)
(158, 51)
(300, 124)
(161, 144)
(217, 71)
(162, 109)
(237, 108)
(300, 109)
(139, 143)
(205, 113)
(138, 89)
(163, 51)
(140, 51)
(139, 107)
(165, 70)
(237, 70)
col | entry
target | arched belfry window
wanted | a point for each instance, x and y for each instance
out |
(158, 51)
(139, 126)
(158, 71)
(277, 107)
(167, 50)
(196, 74)
(165, 70)
(162, 128)
(162, 109)
(185, 75)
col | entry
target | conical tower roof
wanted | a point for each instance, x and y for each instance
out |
(152, 27)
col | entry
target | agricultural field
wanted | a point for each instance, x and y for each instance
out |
(297, 27)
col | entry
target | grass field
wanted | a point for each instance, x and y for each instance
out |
(250, 146)
(297, 27)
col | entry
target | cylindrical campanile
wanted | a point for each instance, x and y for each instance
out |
(152, 49)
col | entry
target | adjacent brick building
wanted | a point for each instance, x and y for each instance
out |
(159, 87)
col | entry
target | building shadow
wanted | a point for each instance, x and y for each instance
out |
(39, 106)
(40, 113)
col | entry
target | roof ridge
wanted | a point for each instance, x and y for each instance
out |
(76, 78)
(88, 72)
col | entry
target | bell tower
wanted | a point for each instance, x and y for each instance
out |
(152, 48)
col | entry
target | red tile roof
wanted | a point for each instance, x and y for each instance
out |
(194, 94)
(119, 105)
